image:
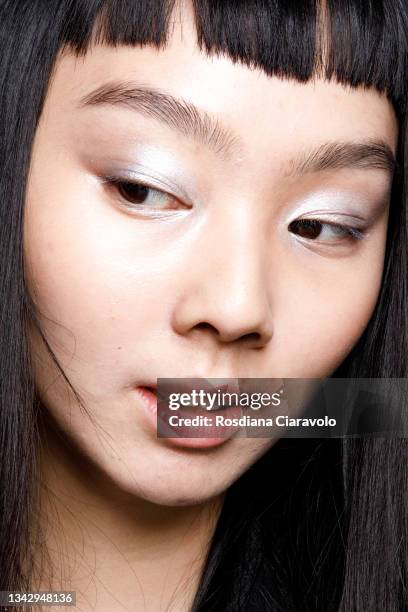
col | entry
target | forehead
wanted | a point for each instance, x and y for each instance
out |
(253, 105)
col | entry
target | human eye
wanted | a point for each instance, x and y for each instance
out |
(138, 195)
(325, 231)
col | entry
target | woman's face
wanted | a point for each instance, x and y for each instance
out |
(251, 245)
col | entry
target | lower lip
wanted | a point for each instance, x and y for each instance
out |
(149, 400)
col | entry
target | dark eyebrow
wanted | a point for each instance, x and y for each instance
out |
(174, 112)
(194, 123)
(371, 155)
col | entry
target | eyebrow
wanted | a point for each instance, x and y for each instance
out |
(176, 113)
(369, 155)
(195, 123)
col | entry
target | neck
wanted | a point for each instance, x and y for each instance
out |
(114, 550)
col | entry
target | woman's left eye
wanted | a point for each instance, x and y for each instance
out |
(143, 196)
(321, 231)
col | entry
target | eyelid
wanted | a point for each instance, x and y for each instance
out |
(114, 181)
(140, 179)
(363, 204)
(144, 176)
(351, 231)
(334, 217)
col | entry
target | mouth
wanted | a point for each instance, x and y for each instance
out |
(197, 428)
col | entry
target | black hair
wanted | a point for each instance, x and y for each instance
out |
(313, 525)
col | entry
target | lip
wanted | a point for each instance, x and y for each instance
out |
(181, 386)
(149, 400)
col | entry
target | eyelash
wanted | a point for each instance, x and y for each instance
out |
(345, 232)
(118, 184)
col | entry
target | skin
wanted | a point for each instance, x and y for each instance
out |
(207, 282)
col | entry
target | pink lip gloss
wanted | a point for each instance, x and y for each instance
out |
(223, 433)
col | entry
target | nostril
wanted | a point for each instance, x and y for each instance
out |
(205, 325)
(253, 338)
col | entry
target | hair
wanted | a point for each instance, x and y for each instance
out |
(314, 524)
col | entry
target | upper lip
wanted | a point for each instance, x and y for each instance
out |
(187, 384)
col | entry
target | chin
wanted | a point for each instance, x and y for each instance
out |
(177, 499)
(175, 494)
(184, 489)
(187, 493)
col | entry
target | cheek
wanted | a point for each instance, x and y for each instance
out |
(331, 312)
(101, 287)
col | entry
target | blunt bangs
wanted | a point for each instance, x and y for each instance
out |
(355, 42)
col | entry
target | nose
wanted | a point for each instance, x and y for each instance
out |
(226, 292)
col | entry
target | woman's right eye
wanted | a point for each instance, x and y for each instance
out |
(138, 195)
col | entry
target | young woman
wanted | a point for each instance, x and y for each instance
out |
(199, 189)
